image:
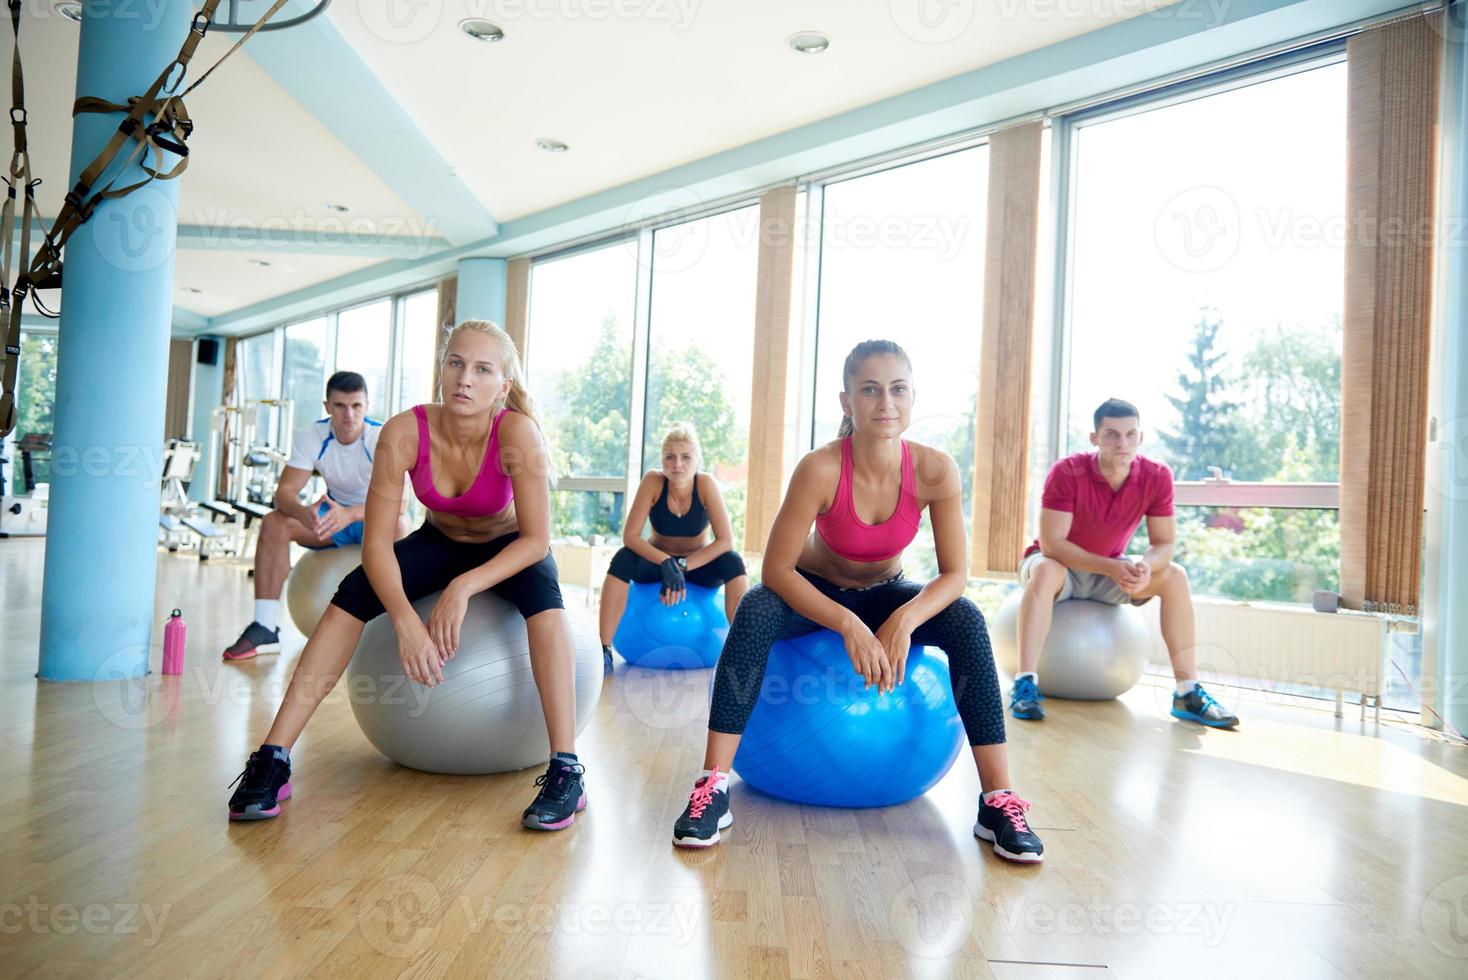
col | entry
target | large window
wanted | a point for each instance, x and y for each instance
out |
(1271, 553)
(257, 379)
(364, 345)
(1207, 268)
(416, 352)
(701, 344)
(902, 258)
(305, 369)
(35, 392)
(580, 374)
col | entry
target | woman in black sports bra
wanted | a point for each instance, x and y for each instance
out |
(682, 504)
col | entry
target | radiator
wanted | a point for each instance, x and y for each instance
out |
(1265, 644)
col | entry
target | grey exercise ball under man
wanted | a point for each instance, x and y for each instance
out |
(1095, 650)
(313, 582)
(485, 717)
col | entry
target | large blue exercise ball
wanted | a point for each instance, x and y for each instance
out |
(687, 636)
(816, 736)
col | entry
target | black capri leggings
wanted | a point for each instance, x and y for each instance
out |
(629, 566)
(763, 618)
(430, 560)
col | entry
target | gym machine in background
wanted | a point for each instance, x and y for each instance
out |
(250, 465)
(23, 505)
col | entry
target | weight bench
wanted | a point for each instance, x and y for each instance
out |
(180, 531)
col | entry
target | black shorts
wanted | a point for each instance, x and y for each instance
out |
(629, 566)
(429, 560)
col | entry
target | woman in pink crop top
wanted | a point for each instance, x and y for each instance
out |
(834, 560)
(478, 463)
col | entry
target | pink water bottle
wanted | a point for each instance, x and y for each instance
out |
(173, 643)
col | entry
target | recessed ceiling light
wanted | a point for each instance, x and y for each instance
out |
(70, 10)
(261, 263)
(191, 289)
(551, 146)
(338, 208)
(809, 42)
(482, 30)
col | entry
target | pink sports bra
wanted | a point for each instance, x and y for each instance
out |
(491, 490)
(855, 540)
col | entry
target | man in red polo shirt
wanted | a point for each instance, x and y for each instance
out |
(1091, 507)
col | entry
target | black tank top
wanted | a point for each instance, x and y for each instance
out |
(665, 522)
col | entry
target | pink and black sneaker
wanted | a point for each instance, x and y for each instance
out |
(562, 795)
(264, 785)
(706, 814)
(255, 640)
(1002, 821)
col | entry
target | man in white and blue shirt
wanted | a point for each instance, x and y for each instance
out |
(339, 448)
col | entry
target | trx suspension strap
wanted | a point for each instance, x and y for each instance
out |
(167, 133)
(18, 182)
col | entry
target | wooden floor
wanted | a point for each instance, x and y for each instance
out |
(1301, 846)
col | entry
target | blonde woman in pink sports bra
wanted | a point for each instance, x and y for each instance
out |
(478, 464)
(834, 560)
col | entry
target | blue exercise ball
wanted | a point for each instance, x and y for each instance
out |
(687, 636)
(817, 737)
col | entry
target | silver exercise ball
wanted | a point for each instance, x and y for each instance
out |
(1095, 650)
(313, 582)
(485, 717)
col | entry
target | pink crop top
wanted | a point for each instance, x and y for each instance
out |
(855, 540)
(491, 490)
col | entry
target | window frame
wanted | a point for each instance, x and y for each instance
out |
(1065, 124)
(815, 217)
(395, 299)
(1066, 128)
(626, 485)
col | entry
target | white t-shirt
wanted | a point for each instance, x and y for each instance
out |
(347, 469)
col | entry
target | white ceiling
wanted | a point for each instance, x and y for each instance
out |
(632, 95)
(228, 281)
(256, 155)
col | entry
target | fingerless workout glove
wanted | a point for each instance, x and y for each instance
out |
(672, 575)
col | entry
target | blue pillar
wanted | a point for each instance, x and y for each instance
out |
(482, 290)
(1445, 618)
(208, 380)
(117, 301)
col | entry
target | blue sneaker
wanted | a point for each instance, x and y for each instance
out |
(1198, 705)
(1024, 700)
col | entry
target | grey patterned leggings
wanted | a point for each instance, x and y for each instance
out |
(763, 618)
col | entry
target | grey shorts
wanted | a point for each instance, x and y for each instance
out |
(1080, 585)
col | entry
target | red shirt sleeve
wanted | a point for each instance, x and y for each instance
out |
(1060, 489)
(1161, 503)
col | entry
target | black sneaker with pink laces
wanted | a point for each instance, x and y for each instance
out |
(706, 814)
(1002, 821)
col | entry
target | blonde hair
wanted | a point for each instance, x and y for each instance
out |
(684, 432)
(859, 353)
(518, 399)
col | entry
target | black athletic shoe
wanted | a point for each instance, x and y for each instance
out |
(706, 814)
(264, 785)
(1198, 705)
(254, 640)
(562, 795)
(1002, 821)
(606, 659)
